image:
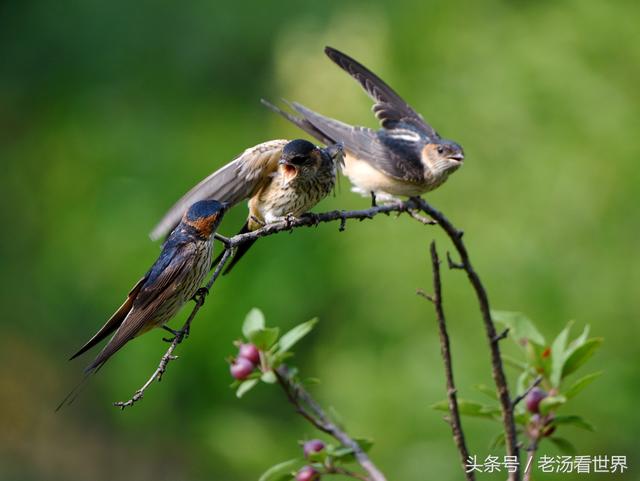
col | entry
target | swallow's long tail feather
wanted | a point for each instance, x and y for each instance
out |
(74, 393)
(240, 251)
(115, 321)
(300, 122)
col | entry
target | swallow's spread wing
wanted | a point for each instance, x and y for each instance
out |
(232, 183)
(396, 153)
(389, 108)
(162, 282)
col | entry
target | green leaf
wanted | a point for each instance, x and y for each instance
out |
(573, 420)
(264, 338)
(558, 355)
(522, 382)
(245, 387)
(522, 417)
(563, 445)
(497, 441)
(551, 403)
(514, 363)
(282, 471)
(580, 340)
(365, 443)
(581, 355)
(520, 327)
(269, 377)
(487, 391)
(253, 322)
(581, 383)
(470, 408)
(288, 340)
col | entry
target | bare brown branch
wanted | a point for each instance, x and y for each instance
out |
(445, 349)
(499, 377)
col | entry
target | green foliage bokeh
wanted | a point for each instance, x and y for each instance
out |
(111, 110)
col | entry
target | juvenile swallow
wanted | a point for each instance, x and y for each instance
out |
(173, 280)
(406, 156)
(280, 178)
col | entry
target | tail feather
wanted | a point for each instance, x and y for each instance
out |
(300, 122)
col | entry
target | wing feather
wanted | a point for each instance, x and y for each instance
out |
(389, 107)
(164, 279)
(235, 181)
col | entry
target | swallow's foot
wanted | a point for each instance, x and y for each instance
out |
(373, 199)
(257, 221)
(288, 220)
(179, 334)
(200, 295)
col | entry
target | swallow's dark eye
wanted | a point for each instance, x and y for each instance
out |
(440, 149)
(298, 160)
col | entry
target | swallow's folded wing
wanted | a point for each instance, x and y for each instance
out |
(400, 162)
(389, 108)
(162, 282)
(232, 183)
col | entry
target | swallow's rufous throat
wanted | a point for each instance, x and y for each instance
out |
(405, 157)
(280, 178)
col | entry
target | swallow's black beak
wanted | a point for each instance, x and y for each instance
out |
(458, 156)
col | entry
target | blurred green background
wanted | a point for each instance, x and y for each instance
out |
(111, 110)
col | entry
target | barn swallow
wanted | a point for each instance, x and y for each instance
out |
(173, 280)
(280, 178)
(406, 156)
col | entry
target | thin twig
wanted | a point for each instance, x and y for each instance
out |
(456, 424)
(531, 456)
(308, 407)
(535, 383)
(499, 377)
(179, 337)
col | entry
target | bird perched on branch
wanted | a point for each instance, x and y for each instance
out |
(280, 178)
(405, 157)
(173, 280)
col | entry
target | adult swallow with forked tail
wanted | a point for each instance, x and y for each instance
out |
(405, 157)
(280, 178)
(173, 280)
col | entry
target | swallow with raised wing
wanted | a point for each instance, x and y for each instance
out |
(406, 156)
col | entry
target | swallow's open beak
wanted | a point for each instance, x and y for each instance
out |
(458, 157)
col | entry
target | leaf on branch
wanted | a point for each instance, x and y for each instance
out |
(521, 328)
(264, 338)
(487, 391)
(282, 471)
(558, 355)
(290, 338)
(497, 441)
(245, 387)
(269, 377)
(563, 445)
(551, 403)
(573, 420)
(514, 363)
(581, 355)
(581, 383)
(253, 322)
(470, 408)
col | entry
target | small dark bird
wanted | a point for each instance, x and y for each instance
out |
(405, 157)
(173, 280)
(280, 178)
